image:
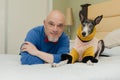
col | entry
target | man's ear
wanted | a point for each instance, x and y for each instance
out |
(81, 17)
(44, 21)
(98, 19)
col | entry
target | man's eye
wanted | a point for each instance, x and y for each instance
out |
(83, 25)
(61, 25)
(50, 23)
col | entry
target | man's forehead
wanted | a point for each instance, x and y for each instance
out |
(56, 22)
(57, 16)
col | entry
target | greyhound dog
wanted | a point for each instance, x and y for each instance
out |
(86, 47)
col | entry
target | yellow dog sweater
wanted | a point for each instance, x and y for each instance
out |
(82, 49)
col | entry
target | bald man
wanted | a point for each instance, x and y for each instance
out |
(46, 43)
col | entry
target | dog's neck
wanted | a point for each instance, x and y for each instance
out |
(87, 38)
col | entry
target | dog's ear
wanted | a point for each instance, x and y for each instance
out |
(98, 19)
(81, 16)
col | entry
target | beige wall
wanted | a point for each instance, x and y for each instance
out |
(16, 18)
(75, 5)
(2, 25)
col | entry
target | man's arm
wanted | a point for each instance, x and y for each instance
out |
(29, 59)
(30, 54)
(31, 49)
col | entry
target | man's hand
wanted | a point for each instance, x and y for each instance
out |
(30, 48)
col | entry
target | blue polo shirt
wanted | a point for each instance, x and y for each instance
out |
(37, 37)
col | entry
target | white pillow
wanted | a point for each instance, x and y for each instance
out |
(112, 39)
(115, 51)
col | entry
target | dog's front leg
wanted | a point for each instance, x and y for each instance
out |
(89, 62)
(59, 64)
(65, 59)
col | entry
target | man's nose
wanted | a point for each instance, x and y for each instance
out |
(55, 28)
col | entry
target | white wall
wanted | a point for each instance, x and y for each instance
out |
(22, 15)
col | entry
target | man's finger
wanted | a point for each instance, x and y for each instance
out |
(26, 42)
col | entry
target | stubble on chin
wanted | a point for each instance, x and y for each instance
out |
(52, 39)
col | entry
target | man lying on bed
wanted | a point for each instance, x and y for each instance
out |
(46, 43)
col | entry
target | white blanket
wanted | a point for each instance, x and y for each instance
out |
(106, 69)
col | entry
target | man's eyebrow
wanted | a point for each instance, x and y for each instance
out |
(60, 24)
(50, 22)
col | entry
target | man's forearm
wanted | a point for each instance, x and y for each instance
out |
(30, 59)
(45, 56)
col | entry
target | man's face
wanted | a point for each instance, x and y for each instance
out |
(54, 28)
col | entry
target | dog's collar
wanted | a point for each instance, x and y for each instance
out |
(87, 38)
(82, 40)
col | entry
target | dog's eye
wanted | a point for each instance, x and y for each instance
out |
(83, 25)
(90, 25)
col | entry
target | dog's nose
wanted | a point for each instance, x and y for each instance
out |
(83, 33)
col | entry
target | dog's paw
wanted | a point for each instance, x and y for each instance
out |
(53, 65)
(90, 63)
(59, 64)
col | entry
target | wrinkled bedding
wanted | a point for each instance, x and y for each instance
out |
(106, 69)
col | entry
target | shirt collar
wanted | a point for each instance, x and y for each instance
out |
(47, 41)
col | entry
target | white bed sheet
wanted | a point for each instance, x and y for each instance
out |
(106, 69)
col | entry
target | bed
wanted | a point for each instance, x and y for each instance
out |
(106, 69)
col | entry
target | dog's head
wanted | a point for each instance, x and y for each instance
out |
(88, 25)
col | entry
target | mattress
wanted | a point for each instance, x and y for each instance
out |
(106, 69)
